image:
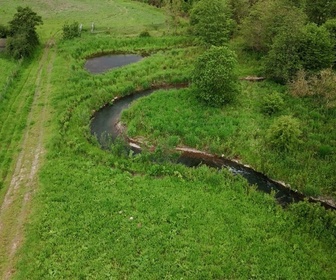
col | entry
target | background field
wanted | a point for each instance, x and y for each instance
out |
(117, 17)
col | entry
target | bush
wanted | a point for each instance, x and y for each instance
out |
(18, 46)
(267, 19)
(299, 86)
(283, 60)
(71, 31)
(284, 134)
(213, 78)
(310, 49)
(330, 25)
(271, 103)
(319, 11)
(3, 31)
(22, 35)
(316, 48)
(322, 86)
(211, 22)
(144, 34)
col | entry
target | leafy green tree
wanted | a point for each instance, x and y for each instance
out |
(211, 22)
(284, 134)
(310, 49)
(240, 9)
(267, 19)
(25, 21)
(295, 3)
(23, 37)
(319, 11)
(330, 25)
(316, 48)
(214, 80)
(283, 61)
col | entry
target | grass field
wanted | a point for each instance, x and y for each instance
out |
(106, 214)
(9, 71)
(107, 16)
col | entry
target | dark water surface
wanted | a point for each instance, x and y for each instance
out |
(104, 63)
(104, 122)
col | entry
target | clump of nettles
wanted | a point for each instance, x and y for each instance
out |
(271, 103)
(284, 134)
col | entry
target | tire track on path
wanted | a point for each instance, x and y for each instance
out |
(23, 183)
(18, 104)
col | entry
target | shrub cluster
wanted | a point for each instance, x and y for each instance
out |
(312, 49)
(214, 79)
(71, 30)
(22, 35)
(210, 22)
(284, 134)
(271, 103)
(321, 85)
(144, 34)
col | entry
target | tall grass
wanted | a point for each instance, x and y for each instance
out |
(9, 72)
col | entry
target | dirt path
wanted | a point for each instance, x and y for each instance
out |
(23, 182)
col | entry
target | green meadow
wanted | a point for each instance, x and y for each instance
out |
(110, 214)
(107, 16)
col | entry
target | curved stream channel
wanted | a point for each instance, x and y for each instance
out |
(105, 125)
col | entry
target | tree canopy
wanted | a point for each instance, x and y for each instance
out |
(267, 19)
(211, 22)
(319, 11)
(311, 49)
(22, 34)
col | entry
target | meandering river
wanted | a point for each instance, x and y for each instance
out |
(105, 125)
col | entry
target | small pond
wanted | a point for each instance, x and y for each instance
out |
(104, 63)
